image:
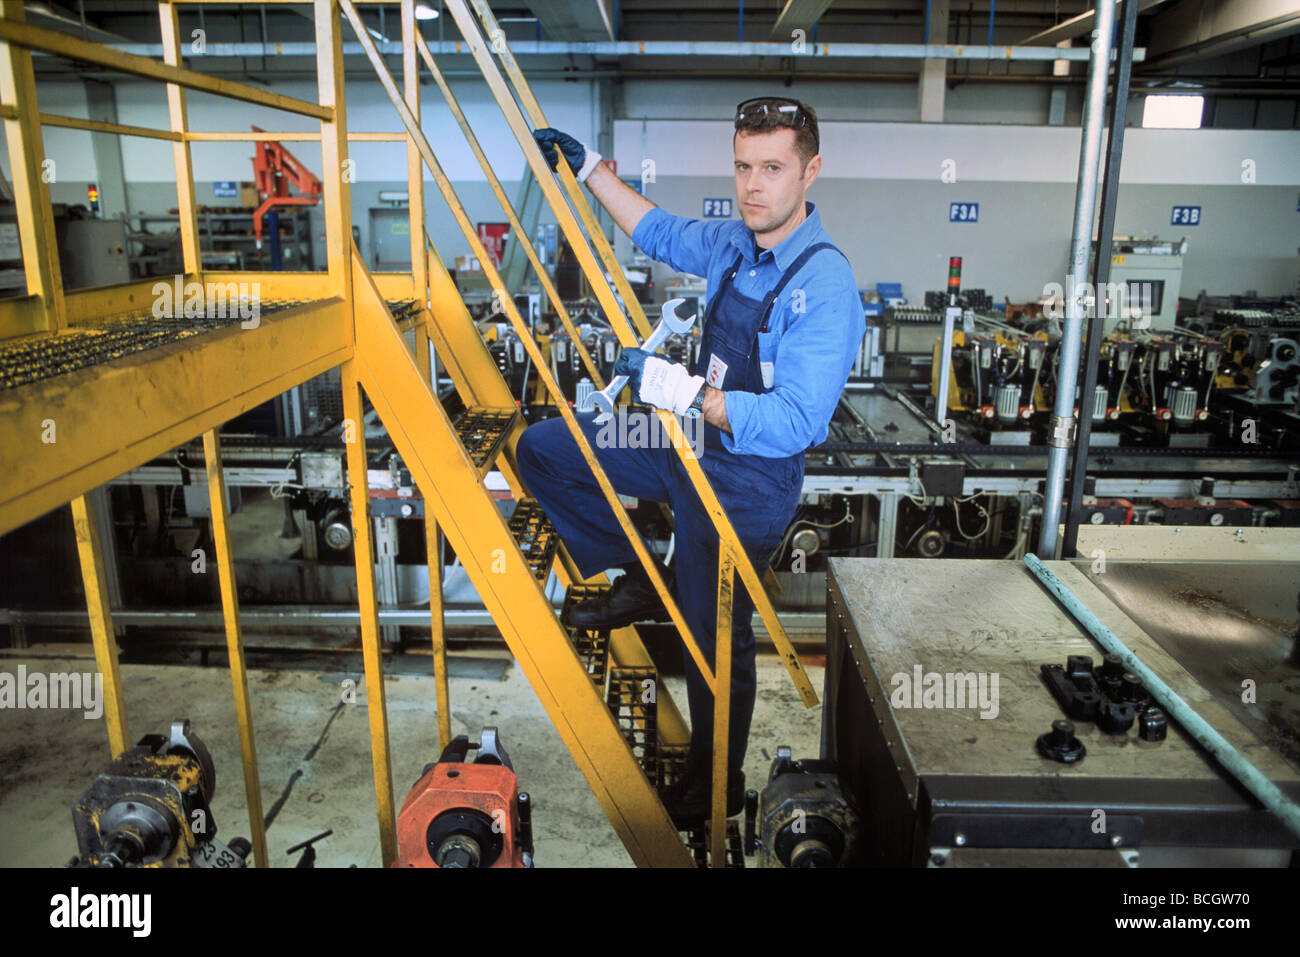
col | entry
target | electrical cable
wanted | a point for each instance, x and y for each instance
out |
(957, 519)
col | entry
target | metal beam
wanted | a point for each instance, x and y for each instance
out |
(1060, 433)
(584, 20)
(797, 15)
(86, 522)
(13, 31)
(652, 48)
(1189, 31)
(30, 182)
(174, 392)
(101, 104)
(932, 88)
(1079, 26)
(220, 507)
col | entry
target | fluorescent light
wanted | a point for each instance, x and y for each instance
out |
(425, 11)
(1173, 112)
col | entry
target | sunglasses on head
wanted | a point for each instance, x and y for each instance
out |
(787, 111)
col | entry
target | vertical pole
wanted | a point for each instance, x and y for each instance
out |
(336, 169)
(721, 708)
(85, 521)
(178, 114)
(30, 182)
(1060, 434)
(887, 526)
(414, 164)
(364, 553)
(1101, 275)
(235, 642)
(433, 539)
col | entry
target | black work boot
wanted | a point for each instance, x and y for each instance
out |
(630, 599)
(688, 803)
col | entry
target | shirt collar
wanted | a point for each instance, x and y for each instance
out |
(787, 250)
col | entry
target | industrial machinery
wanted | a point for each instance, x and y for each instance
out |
(151, 807)
(998, 382)
(466, 814)
(962, 740)
(802, 818)
(275, 170)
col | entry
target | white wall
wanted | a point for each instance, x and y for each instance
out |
(880, 191)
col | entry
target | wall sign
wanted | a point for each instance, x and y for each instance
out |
(225, 189)
(717, 209)
(963, 212)
(1185, 216)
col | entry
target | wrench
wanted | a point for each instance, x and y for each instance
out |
(671, 324)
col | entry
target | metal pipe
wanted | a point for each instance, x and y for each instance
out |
(620, 48)
(1232, 760)
(1085, 209)
(1101, 272)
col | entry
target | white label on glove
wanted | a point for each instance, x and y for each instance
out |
(717, 371)
(769, 373)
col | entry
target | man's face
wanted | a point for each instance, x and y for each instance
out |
(771, 181)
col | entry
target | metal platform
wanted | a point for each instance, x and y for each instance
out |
(36, 358)
(930, 779)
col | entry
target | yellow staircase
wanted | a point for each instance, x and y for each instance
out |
(121, 411)
(510, 585)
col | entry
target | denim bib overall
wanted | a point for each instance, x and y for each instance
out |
(759, 494)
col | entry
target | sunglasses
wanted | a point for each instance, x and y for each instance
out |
(787, 111)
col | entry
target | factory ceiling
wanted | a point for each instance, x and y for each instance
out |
(1226, 46)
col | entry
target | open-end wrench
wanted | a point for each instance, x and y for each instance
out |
(669, 325)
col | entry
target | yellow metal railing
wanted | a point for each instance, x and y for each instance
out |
(47, 309)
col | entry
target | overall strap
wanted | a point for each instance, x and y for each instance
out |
(795, 266)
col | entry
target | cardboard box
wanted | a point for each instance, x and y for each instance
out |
(248, 195)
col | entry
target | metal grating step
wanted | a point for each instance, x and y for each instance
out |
(592, 646)
(483, 431)
(633, 699)
(536, 537)
(698, 841)
(96, 341)
(403, 310)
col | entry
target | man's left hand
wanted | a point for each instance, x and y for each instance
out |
(659, 382)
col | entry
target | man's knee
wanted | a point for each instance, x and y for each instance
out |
(536, 445)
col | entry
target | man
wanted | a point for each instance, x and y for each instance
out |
(783, 324)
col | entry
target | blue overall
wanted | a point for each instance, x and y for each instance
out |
(759, 494)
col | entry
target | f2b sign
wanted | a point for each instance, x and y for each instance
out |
(717, 209)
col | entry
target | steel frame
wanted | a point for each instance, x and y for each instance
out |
(189, 388)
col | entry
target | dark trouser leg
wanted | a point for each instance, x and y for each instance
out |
(760, 521)
(555, 472)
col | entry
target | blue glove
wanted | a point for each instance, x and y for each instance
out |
(631, 363)
(581, 158)
(660, 382)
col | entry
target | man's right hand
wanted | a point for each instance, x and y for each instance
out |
(580, 157)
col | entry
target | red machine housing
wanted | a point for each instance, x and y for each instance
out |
(275, 169)
(466, 813)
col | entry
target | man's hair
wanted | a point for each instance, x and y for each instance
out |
(805, 137)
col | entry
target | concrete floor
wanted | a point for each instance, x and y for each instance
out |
(314, 755)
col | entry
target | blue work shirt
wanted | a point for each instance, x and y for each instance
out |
(814, 330)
